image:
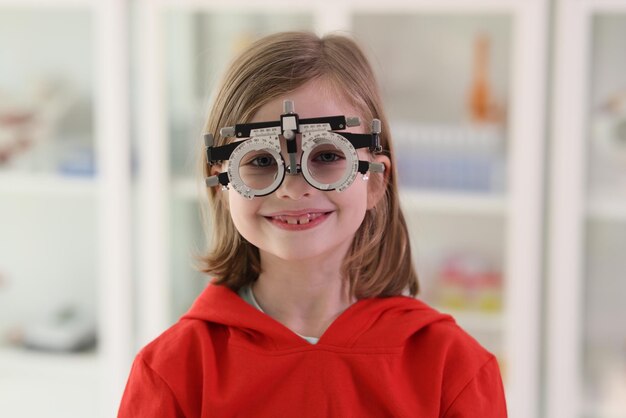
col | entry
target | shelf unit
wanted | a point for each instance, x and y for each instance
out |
(571, 277)
(67, 384)
(91, 383)
(607, 209)
(453, 202)
(43, 185)
(521, 208)
(476, 321)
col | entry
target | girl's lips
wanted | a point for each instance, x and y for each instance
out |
(298, 221)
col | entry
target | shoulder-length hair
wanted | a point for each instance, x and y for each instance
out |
(379, 261)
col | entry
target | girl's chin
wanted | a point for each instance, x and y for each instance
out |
(302, 254)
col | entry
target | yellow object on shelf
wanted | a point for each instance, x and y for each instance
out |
(466, 281)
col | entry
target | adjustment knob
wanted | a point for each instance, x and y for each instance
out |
(288, 106)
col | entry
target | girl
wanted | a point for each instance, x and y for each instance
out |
(311, 312)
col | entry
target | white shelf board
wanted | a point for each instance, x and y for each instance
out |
(39, 4)
(607, 209)
(452, 6)
(453, 202)
(46, 185)
(29, 361)
(596, 409)
(187, 189)
(603, 6)
(476, 321)
(41, 384)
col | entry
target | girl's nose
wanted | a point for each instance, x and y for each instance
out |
(294, 187)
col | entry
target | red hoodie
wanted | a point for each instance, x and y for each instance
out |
(382, 357)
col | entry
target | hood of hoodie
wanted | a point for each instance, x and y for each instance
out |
(372, 323)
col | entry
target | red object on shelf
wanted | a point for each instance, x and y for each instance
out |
(467, 281)
(15, 133)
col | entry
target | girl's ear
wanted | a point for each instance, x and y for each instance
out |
(221, 196)
(215, 169)
(378, 181)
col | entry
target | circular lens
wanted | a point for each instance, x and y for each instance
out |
(255, 167)
(258, 169)
(329, 161)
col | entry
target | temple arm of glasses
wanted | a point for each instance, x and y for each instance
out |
(215, 154)
(370, 141)
(365, 166)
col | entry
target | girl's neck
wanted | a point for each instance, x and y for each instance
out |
(304, 295)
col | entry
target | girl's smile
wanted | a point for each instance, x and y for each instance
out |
(299, 220)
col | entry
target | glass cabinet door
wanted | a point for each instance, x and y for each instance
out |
(48, 213)
(586, 337)
(604, 265)
(464, 94)
(199, 44)
(447, 105)
(210, 41)
(461, 123)
(465, 124)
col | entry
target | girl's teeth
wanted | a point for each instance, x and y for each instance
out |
(300, 220)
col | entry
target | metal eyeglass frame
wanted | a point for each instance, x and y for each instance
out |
(266, 136)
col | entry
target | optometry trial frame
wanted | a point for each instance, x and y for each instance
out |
(328, 161)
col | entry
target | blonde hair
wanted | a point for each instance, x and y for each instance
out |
(379, 260)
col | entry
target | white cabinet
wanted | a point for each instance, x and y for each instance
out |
(481, 207)
(586, 336)
(472, 205)
(87, 223)
(64, 209)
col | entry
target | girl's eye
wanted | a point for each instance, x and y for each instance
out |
(262, 161)
(327, 157)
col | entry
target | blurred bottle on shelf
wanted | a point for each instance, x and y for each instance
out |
(482, 107)
(463, 157)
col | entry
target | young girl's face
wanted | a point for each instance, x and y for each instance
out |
(298, 221)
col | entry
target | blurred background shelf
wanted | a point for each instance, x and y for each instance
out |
(600, 409)
(476, 321)
(585, 348)
(608, 209)
(187, 189)
(46, 185)
(64, 241)
(25, 362)
(453, 202)
(38, 384)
